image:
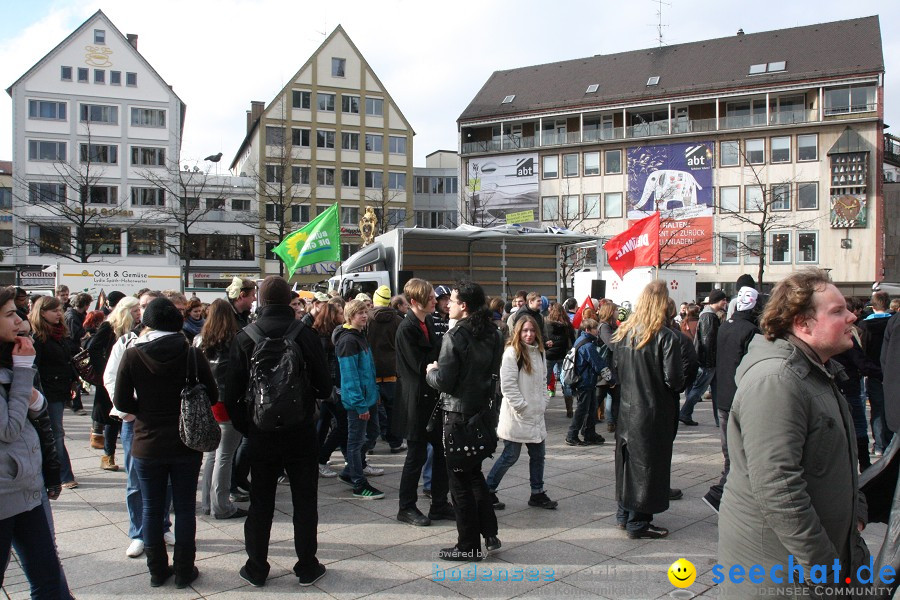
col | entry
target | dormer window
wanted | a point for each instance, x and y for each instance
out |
(508, 99)
(772, 67)
(776, 66)
(653, 80)
(591, 89)
(757, 69)
(100, 36)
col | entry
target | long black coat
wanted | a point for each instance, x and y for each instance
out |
(53, 360)
(732, 343)
(414, 400)
(650, 378)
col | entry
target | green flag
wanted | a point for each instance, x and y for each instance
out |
(319, 241)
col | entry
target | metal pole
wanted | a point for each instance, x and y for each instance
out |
(503, 285)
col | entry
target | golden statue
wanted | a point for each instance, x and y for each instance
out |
(368, 225)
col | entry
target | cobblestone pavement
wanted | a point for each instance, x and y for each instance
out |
(576, 550)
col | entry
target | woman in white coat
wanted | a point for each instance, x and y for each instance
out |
(523, 381)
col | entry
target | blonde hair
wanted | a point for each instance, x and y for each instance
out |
(352, 308)
(120, 318)
(649, 315)
(523, 359)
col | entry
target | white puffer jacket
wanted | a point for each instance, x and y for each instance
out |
(524, 398)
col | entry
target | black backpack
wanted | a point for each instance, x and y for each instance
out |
(278, 392)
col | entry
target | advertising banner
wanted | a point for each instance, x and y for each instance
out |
(94, 277)
(500, 185)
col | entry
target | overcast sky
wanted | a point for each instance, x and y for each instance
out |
(433, 57)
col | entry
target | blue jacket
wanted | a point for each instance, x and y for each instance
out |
(359, 392)
(588, 363)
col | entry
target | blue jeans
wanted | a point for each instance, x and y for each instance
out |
(56, 410)
(880, 431)
(508, 458)
(133, 501)
(30, 532)
(358, 431)
(704, 378)
(612, 403)
(154, 475)
(426, 470)
(632, 520)
(110, 434)
(216, 484)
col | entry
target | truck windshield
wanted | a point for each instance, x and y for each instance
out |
(354, 287)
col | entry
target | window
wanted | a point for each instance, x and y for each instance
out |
(781, 149)
(348, 250)
(301, 99)
(422, 184)
(49, 240)
(808, 147)
(350, 177)
(508, 99)
(6, 238)
(654, 80)
(729, 199)
(5, 197)
(148, 117)
(221, 247)
(100, 194)
(325, 176)
(374, 107)
(215, 204)
(780, 252)
(338, 66)
(730, 154)
(40, 193)
(131, 79)
(186, 203)
(102, 240)
(396, 145)
(728, 248)
(115, 78)
(99, 36)
(325, 102)
(808, 196)
(240, 204)
(437, 185)
(755, 151)
(850, 99)
(592, 88)
(46, 109)
(435, 219)
(300, 137)
(100, 153)
(570, 207)
(274, 136)
(396, 217)
(272, 213)
(98, 113)
(613, 205)
(549, 208)
(808, 247)
(146, 242)
(374, 142)
(41, 150)
(65, 73)
(300, 175)
(350, 104)
(349, 215)
(591, 163)
(83, 75)
(781, 197)
(613, 162)
(374, 179)
(141, 196)
(396, 181)
(274, 174)
(300, 213)
(570, 165)
(776, 66)
(754, 198)
(592, 206)
(325, 139)
(751, 249)
(148, 157)
(757, 69)
(349, 141)
(550, 167)
(99, 76)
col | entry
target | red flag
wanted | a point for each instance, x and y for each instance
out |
(576, 320)
(637, 246)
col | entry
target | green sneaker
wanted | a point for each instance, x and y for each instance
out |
(367, 492)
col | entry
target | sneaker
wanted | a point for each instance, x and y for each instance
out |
(426, 493)
(239, 497)
(575, 442)
(398, 449)
(675, 494)
(496, 502)
(345, 479)
(594, 440)
(70, 485)
(327, 472)
(651, 532)
(246, 577)
(551, 393)
(239, 513)
(315, 574)
(169, 538)
(492, 543)
(688, 422)
(442, 512)
(542, 501)
(135, 549)
(455, 554)
(283, 480)
(373, 471)
(711, 502)
(413, 516)
(367, 492)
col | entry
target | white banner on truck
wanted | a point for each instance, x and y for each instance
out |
(92, 278)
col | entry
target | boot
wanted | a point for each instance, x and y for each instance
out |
(183, 561)
(158, 565)
(108, 463)
(862, 449)
(97, 441)
(569, 401)
(601, 412)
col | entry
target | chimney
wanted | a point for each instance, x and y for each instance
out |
(740, 31)
(256, 110)
(132, 39)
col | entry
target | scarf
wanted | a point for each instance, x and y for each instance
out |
(193, 326)
(56, 331)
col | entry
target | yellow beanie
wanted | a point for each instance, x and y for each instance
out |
(382, 296)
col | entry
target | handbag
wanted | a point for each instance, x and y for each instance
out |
(197, 426)
(82, 362)
(467, 444)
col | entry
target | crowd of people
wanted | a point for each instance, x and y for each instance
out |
(291, 381)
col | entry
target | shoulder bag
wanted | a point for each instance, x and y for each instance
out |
(197, 426)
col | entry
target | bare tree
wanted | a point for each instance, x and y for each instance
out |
(390, 214)
(474, 202)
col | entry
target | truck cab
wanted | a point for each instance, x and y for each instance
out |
(364, 272)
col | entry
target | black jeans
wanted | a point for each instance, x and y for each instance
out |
(154, 475)
(716, 490)
(584, 420)
(337, 434)
(471, 498)
(387, 391)
(416, 455)
(37, 552)
(270, 453)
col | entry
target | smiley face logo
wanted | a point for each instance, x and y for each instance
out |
(682, 573)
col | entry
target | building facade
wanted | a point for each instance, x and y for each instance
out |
(333, 134)
(7, 264)
(760, 144)
(436, 200)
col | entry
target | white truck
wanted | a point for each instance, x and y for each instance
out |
(94, 277)
(502, 259)
(682, 284)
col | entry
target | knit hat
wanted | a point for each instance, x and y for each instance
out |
(746, 298)
(162, 315)
(274, 290)
(114, 297)
(717, 296)
(545, 303)
(746, 280)
(441, 290)
(320, 297)
(363, 297)
(382, 296)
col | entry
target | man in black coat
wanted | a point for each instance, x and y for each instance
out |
(417, 345)
(705, 345)
(871, 331)
(890, 367)
(293, 450)
(732, 342)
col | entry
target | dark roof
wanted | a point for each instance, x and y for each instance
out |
(5, 167)
(841, 48)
